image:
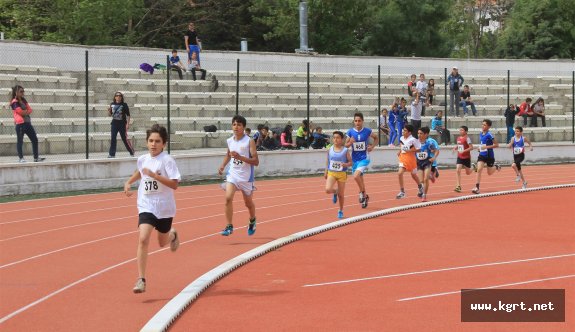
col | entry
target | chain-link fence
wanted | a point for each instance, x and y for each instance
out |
(71, 100)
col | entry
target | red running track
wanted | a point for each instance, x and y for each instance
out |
(69, 263)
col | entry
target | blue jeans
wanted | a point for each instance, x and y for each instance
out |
(464, 105)
(26, 128)
(510, 133)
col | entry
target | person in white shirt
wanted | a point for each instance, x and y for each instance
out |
(159, 177)
(242, 158)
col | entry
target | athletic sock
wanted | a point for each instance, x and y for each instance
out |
(252, 220)
(477, 185)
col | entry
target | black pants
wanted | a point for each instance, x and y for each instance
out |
(119, 127)
(533, 122)
(26, 128)
(203, 73)
(416, 125)
(178, 69)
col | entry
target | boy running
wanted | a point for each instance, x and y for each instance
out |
(242, 158)
(406, 155)
(358, 140)
(426, 159)
(156, 204)
(486, 156)
(338, 160)
(463, 149)
(517, 143)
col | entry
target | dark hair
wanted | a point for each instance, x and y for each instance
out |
(265, 127)
(15, 89)
(466, 86)
(114, 98)
(424, 130)
(464, 128)
(174, 51)
(287, 130)
(260, 126)
(249, 130)
(409, 128)
(337, 132)
(161, 130)
(239, 119)
(305, 123)
(487, 121)
(519, 128)
(528, 99)
(358, 114)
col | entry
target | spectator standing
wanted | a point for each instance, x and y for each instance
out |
(391, 124)
(430, 91)
(421, 88)
(467, 101)
(120, 113)
(21, 111)
(192, 42)
(176, 64)
(538, 111)
(437, 125)
(383, 122)
(416, 109)
(526, 111)
(454, 81)
(401, 119)
(411, 85)
(510, 114)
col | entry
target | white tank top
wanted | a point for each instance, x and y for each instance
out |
(239, 170)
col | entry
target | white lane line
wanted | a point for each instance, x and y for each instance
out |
(488, 287)
(440, 270)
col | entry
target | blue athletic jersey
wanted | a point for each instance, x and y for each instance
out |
(518, 145)
(486, 139)
(359, 147)
(336, 159)
(426, 153)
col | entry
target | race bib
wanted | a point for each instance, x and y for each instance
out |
(152, 186)
(517, 150)
(237, 162)
(358, 146)
(422, 155)
(335, 165)
(460, 148)
(482, 148)
(405, 148)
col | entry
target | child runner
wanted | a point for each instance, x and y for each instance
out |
(518, 145)
(408, 145)
(156, 204)
(338, 160)
(358, 139)
(242, 158)
(486, 156)
(426, 159)
(463, 149)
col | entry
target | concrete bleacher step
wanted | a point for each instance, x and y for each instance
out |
(28, 70)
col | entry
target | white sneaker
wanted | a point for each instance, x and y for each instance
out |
(22, 160)
(140, 286)
(361, 197)
(400, 195)
(518, 178)
(475, 190)
(524, 186)
(175, 243)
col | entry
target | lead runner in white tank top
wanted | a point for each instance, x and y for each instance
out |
(239, 171)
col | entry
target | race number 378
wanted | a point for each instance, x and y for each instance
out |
(152, 186)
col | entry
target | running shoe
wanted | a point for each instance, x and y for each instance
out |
(498, 167)
(361, 197)
(475, 190)
(457, 189)
(340, 214)
(228, 230)
(400, 195)
(436, 173)
(524, 186)
(22, 160)
(474, 166)
(252, 227)
(364, 204)
(420, 191)
(175, 243)
(39, 159)
(424, 198)
(334, 199)
(140, 286)
(517, 178)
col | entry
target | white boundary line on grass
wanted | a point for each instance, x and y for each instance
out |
(166, 316)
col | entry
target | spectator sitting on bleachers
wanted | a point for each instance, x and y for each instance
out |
(258, 133)
(302, 136)
(467, 101)
(286, 140)
(437, 125)
(526, 111)
(195, 66)
(267, 140)
(538, 111)
(176, 64)
(320, 140)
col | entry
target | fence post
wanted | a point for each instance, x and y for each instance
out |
(168, 70)
(445, 95)
(573, 106)
(87, 116)
(378, 104)
(238, 87)
(308, 101)
(508, 87)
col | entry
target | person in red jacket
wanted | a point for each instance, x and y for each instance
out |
(526, 110)
(22, 110)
